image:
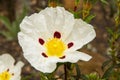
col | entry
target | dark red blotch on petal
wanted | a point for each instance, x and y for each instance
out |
(41, 41)
(7, 70)
(62, 57)
(70, 44)
(57, 34)
(12, 74)
(44, 55)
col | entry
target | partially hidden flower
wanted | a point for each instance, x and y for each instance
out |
(52, 36)
(8, 70)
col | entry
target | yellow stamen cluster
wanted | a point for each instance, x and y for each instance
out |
(5, 75)
(55, 47)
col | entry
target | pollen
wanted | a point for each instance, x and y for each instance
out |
(55, 47)
(5, 75)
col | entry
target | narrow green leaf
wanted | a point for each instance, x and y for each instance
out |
(6, 22)
(104, 1)
(110, 31)
(7, 35)
(108, 72)
(89, 18)
(43, 76)
(105, 64)
(22, 15)
(16, 23)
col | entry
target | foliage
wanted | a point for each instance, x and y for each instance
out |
(93, 76)
(113, 64)
(12, 27)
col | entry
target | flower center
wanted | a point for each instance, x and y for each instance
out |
(55, 47)
(5, 75)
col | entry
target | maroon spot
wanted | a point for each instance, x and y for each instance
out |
(7, 70)
(41, 41)
(70, 44)
(43, 54)
(57, 35)
(62, 57)
(12, 74)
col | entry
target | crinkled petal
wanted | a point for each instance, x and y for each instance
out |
(17, 71)
(6, 62)
(73, 57)
(33, 53)
(46, 67)
(29, 45)
(32, 50)
(82, 33)
(58, 19)
(35, 26)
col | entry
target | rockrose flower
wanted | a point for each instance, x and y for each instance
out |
(9, 71)
(52, 36)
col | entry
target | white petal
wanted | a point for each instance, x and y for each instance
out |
(46, 67)
(6, 62)
(32, 49)
(17, 70)
(82, 34)
(58, 19)
(73, 57)
(40, 63)
(35, 26)
(32, 52)
(28, 44)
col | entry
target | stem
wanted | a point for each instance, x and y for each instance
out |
(65, 70)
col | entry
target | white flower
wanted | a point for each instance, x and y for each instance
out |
(9, 71)
(53, 35)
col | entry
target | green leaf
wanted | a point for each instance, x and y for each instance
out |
(23, 14)
(6, 22)
(105, 64)
(13, 28)
(89, 18)
(77, 2)
(72, 78)
(16, 23)
(93, 76)
(110, 31)
(104, 1)
(108, 72)
(43, 77)
(7, 35)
